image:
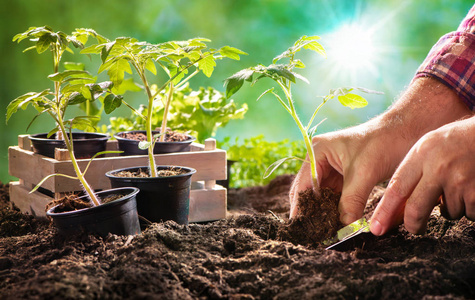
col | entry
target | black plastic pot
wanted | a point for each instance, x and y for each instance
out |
(85, 144)
(160, 198)
(131, 147)
(117, 217)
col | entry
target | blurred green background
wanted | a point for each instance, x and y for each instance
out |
(373, 44)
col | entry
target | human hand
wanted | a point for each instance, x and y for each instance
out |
(351, 161)
(440, 167)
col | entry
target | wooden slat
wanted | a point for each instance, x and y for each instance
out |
(205, 205)
(33, 204)
(208, 205)
(210, 165)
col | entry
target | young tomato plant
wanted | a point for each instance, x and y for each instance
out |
(284, 75)
(72, 86)
(199, 112)
(179, 60)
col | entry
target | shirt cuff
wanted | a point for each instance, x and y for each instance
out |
(452, 61)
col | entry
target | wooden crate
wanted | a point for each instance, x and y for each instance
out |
(207, 200)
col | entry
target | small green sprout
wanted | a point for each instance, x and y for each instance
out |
(284, 75)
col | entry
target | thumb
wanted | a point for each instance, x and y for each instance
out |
(355, 193)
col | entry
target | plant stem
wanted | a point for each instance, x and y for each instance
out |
(163, 129)
(80, 175)
(307, 139)
(148, 126)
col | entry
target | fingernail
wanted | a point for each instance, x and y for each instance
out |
(376, 227)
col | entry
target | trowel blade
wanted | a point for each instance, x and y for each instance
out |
(348, 232)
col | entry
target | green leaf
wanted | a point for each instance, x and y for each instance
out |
(112, 102)
(352, 101)
(207, 65)
(23, 101)
(60, 76)
(150, 65)
(317, 47)
(143, 145)
(44, 42)
(48, 177)
(231, 52)
(127, 85)
(277, 164)
(117, 70)
(271, 90)
(76, 98)
(74, 66)
(280, 71)
(235, 82)
(106, 49)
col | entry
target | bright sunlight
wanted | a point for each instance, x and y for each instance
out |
(350, 49)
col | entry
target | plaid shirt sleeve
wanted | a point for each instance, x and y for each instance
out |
(452, 60)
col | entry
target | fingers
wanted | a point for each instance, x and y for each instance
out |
(302, 181)
(390, 210)
(420, 205)
(356, 189)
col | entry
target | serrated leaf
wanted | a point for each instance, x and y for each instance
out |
(117, 70)
(231, 52)
(317, 47)
(352, 101)
(150, 65)
(207, 65)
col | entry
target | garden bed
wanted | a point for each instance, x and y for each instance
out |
(239, 257)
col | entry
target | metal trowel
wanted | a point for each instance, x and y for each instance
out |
(348, 232)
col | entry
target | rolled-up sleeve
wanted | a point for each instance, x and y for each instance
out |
(452, 60)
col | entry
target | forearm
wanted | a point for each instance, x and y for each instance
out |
(426, 105)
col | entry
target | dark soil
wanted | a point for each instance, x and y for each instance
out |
(241, 257)
(170, 136)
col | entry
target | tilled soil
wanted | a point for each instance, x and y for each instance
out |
(240, 257)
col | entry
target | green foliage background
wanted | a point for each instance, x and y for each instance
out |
(263, 28)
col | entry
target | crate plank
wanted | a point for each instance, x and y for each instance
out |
(24, 164)
(205, 205)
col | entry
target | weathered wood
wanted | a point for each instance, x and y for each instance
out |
(205, 205)
(210, 165)
(207, 200)
(24, 142)
(33, 204)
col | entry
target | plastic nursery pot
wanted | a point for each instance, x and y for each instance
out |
(85, 144)
(160, 198)
(131, 147)
(117, 217)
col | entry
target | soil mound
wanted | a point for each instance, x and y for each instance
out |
(241, 257)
